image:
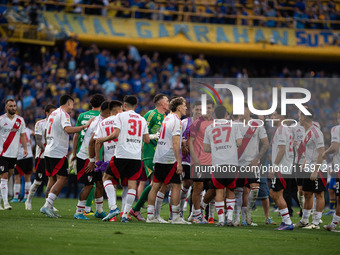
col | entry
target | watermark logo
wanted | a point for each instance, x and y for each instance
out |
(239, 99)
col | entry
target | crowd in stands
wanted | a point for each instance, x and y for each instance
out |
(38, 75)
(299, 14)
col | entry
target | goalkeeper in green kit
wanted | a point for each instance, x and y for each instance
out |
(95, 102)
(154, 119)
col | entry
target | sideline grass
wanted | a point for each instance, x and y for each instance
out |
(30, 232)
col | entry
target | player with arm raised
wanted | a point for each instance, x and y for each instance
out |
(58, 129)
(12, 131)
(221, 139)
(40, 170)
(168, 162)
(105, 128)
(95, 102)
(86, 175)
(131, 131)
(282, 163)
(23, 167)
(314, 182)
(335, 149)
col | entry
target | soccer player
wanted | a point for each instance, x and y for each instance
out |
(199, 157)
(332, 196)
(23, 167)
(95, 102)
(131, 131)
(282, 163)
(12, 130)
(40, 170)
(314, 148)
(86, 175)
(168, 162)
(221, 139)
(187, 181)
(105, 128)
(249, 156)
(335, 150)
(154, 119)
(58, 129)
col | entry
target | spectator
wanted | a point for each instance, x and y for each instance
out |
(110, 85)
(271, 12)
(133, 53)
(300, 19)
(71, 46)
(101, 62)
(201, 67)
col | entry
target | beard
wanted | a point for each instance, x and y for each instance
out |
(11, 112)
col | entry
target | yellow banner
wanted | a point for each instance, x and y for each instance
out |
(214, 38)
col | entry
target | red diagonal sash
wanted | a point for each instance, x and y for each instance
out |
(246, 139)
(302, 147)
(11, 136)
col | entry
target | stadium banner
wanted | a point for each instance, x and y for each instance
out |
(300, 114)
(195, 37)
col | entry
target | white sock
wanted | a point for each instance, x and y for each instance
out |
(158, 203)
(99, 204)
(186, 200)
(32, 191)
(4, 190)
(243, 213)
(170, 207)
(230, 205)
(314, 203)
(175, 211)
(316, 218)
(252, 197)
(27, 188)
(80, 207)
(285, 216)
(301, 201)
(203, 205)
(50, 200)
(151, 211)
(184, 195)
(238, 204)
(197, 213)
(335, 221)
(17, 190)
(212, 209)
(87, 209)
(111, 194)
(305, 216)
(220, 211)
(130, 198)
(124, 194)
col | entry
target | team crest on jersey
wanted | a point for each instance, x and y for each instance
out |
(17, 123)
(2, 168)
(89, 178)
(40, 175)
(158, 117)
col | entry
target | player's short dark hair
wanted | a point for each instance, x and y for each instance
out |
(131, 100)
(174, 103)
(196, 103)
(49, 107)
(220, 112)
(64, 98)
(114, 104)
(210, 101)
(104, 106)
(97, 100)
(158, 97)
(9, 100)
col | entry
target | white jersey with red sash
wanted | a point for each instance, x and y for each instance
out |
(28, 134)
(39, 129)
(283, 136)
(313, 140)
(10, 131)
(251, 137)
(335, 133)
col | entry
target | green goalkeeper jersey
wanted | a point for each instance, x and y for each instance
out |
(154, 120)
(82, 120)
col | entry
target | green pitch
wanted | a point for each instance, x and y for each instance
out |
(30, 232)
